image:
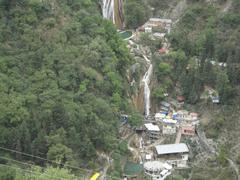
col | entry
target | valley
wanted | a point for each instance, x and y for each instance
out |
(119, 89)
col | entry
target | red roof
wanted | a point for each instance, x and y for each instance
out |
(162, 50)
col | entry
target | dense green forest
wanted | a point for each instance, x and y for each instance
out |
(63, 85)
(207, 35)
(64, 71)
(136, 13)
(203, 37)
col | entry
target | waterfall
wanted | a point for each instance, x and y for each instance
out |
(108, 9)
(113, 11)
(147, 92)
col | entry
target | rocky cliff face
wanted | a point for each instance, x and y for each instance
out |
(138, 99)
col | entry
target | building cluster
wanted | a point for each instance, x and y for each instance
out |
(157, 170)
(212, 94)
(168, 121)
(164, 158)
(158, 26)
(160, 159)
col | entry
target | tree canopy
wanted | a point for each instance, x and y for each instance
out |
(62, 78)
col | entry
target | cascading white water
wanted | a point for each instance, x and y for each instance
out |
(113, 11)
(147, 92)
(108, 9)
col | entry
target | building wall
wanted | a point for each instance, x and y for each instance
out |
(167, 130)
(178, 163)
(188, 131)
(178, 160)
(153, 135)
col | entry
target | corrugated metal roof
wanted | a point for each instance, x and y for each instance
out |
(169, 121)
(159, 115)
(171, 148)
(163, 103)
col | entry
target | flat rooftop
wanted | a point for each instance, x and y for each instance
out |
(171, 148)
(156, 166)
(151, 127)
(160, 20)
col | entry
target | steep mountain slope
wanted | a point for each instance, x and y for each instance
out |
(205, 53)
(62, 80)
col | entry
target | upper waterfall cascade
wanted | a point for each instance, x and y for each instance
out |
(146, 81)
(113, 10)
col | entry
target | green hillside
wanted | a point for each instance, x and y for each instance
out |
(62, 81)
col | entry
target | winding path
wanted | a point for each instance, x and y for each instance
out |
(235, 167)
(133, 150)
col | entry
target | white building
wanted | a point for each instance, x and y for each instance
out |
(159, 23)
(152, 130)
(169, 121)
(182, 115)
(148, 29)
(157, 170)
(159, 35)
(148, 157)
(215, 99)
(159, 116)
(168, 130)
(174, 154)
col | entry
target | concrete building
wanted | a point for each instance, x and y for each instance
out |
(148, 157)
(174, 154)
(159, 23)
(159, 35)
(165, 104)
(157, 170)
(215, 99)
(163, 108)
(169, 121)
(159, 116)
(182, 115)
(188, 130)
(193, 119)
(164, 23)
(194, 116)
(148, 29)
(152, 130)
(168, 130)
